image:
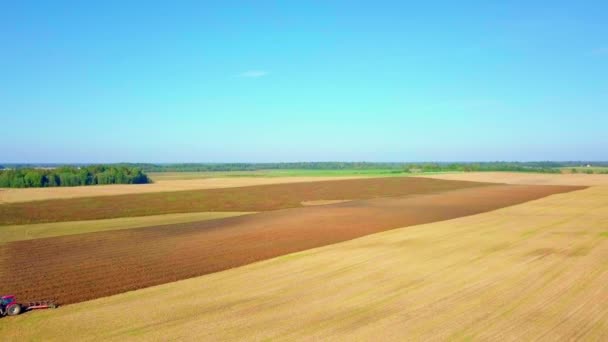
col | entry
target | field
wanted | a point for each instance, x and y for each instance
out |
(159, 185)
(376, 258)
(536, 270)
(44, 230)
(156, 176)
(526, 178)
(181, 181)
(107, 263)
(584, 169)
(253, 198)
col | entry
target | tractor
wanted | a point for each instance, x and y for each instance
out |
(10, 307)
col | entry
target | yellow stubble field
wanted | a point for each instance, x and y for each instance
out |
(525, 178)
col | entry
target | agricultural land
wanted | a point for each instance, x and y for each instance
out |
(480, 256)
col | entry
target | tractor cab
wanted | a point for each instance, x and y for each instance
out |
(6, 300)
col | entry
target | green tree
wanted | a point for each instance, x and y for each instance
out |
(52, 180)
(33, 179)
(5, 181)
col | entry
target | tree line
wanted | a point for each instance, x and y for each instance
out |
(537, 166)
(71, 176)
(547, 167)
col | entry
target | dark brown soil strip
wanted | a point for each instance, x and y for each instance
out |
(252, 198)
(81, 267)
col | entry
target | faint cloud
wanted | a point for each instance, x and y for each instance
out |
(603, 51)
(253, 73)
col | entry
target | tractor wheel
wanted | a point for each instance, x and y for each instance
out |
(13, 310)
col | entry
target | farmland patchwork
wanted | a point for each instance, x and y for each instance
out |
(80, 267)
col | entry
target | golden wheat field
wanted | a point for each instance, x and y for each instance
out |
(533, 271)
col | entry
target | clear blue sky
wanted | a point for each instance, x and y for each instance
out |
(303, 81)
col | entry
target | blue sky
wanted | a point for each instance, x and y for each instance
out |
(265, 81)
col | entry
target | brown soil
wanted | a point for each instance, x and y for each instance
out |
(162, 185)
(81, 267)
(252, 198)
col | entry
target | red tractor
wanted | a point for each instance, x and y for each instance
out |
(10, 307)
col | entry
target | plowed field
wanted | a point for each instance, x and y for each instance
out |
(253, 198)
(13, 195)
(81, 267)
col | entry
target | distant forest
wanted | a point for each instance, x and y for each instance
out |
(30, 177)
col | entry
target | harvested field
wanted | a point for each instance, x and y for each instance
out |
(169, 185)
(44, 230)
(526, 178)
(81, 267)
(534, 271)
(253, 198)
